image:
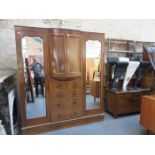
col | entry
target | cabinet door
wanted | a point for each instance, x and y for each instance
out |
(57, 54)
(93, 46)
(74, 54)
(33, 71)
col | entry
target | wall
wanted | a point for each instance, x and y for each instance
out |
(142, 30)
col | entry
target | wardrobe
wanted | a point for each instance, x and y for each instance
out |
(63, 55)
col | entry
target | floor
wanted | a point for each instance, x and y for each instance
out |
(124, 125)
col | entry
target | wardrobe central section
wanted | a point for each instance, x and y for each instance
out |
(66, 75)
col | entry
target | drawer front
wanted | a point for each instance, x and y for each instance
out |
(58, 94)
(128, 103)
(58, 85)
(67, 114)
(146, 93)
(133, 98)
(58, 105)
(75, 103)
(58, 116)
(76, 93)
(77, 84)
(74, 113)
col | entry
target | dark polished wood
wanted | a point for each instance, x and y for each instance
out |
(120, 102)
(65, 72)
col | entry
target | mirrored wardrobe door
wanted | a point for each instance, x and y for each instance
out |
(93, 86)
(34, 81)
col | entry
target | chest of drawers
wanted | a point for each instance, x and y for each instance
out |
(66, 99)
(121, 103)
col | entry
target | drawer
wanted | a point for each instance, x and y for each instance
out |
(77, 84)
(133, 98)
(75, 113)
(58, 85)
(75, 104)
(58, 94)
(146, 93)
(76, 93)
(58, 105)
(58, 116)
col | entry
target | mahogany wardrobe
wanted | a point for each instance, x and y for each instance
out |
(63, 54)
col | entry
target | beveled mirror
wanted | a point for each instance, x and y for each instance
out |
(93, 52)
(32, 53)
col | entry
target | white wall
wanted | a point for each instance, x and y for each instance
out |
(142, 30)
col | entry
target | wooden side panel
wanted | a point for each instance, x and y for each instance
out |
(74, 54)
(57, 54)
(110, 104)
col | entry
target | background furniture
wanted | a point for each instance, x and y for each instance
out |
(120, 103)
(95, 89)
(126, 48)
(147, 113)
(117, 101)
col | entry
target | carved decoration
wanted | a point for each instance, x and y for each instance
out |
(7, 85)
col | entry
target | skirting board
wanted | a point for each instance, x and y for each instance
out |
(62, 124)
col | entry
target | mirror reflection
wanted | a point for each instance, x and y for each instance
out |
(32, 52)
(93, 50)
